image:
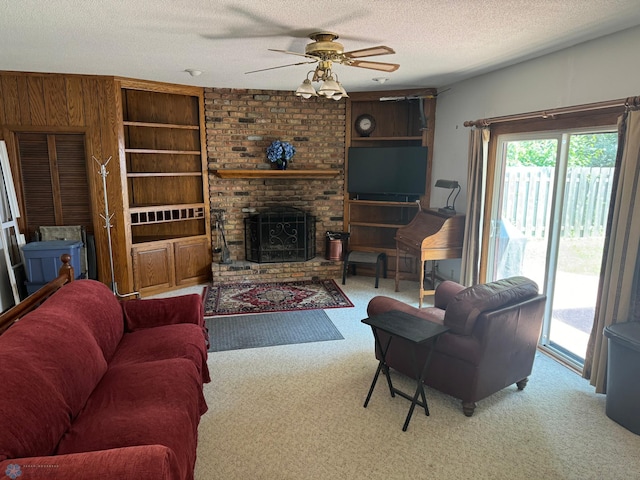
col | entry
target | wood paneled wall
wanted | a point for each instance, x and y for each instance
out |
(74, 103)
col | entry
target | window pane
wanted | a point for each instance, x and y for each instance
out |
(590, 164)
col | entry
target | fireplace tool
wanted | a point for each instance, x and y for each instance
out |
(107, 224)
(222, 249)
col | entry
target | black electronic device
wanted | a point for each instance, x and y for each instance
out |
(387, 173)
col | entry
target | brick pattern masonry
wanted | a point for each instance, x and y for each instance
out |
(240, 125)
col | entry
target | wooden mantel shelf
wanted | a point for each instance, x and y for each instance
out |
(260, 173)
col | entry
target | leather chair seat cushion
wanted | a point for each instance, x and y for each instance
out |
(464, 309)
(143, 404)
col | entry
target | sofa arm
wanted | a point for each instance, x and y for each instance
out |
(144, 462)
(155, 312)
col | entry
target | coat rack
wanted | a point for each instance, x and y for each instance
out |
(107, 217)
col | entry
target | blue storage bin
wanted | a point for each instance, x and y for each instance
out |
(33, 287)
(623, 372)
(42, 259)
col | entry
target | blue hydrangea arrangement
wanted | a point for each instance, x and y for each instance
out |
(280, 152)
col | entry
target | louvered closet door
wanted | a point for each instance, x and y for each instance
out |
(54, 180)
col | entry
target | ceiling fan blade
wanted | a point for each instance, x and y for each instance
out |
(293, 53)
(281, 66)
(384, 67)
(265, 26)
(369, 52)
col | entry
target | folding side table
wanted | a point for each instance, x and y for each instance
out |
(417, 331)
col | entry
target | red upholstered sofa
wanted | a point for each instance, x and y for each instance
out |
(92, 387)
(491, 344)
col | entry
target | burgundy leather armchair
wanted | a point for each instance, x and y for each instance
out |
(491, 344)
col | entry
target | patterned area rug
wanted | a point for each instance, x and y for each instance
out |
(270, 329)
(243, 298)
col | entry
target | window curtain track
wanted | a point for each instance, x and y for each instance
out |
(476, 192)
(620, 256)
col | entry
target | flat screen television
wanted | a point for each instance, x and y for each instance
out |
(387, 173)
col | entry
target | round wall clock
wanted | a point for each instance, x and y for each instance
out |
(365, 124)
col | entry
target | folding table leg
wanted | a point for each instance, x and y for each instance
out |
(382, 366)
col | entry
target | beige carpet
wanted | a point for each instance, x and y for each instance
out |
(295, 412)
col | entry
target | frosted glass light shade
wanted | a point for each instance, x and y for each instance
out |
(306, 90)
(329, 88)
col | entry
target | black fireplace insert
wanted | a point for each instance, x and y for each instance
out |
(281, 234)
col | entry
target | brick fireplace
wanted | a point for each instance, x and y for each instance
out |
(240, 125)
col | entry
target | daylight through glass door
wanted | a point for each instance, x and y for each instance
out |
(549, 225)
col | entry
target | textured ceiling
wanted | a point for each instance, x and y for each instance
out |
(436, 42)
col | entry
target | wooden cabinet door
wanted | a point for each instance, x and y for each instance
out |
(152, 267)
(192, 261)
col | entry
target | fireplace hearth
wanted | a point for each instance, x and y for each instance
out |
(281, 234)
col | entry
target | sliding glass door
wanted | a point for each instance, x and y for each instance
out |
(548, 224)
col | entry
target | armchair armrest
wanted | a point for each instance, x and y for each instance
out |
(155, 312)
(144, 462)
(445, 293)
(381, 304)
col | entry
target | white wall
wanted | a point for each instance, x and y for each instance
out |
(595, 71)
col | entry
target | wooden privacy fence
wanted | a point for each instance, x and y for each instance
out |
(528, 193)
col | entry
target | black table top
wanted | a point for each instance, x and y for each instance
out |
(401, 324)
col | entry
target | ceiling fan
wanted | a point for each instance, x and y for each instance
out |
(325, 51)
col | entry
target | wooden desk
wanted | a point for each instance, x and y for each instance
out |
(431, 235)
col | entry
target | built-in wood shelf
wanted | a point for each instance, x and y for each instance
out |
(163, 174)
(259, 173)
(395, 139)
(167, 152)
(161, 125)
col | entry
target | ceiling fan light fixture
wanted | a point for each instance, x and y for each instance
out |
(306, 90)
(325, 51)
(340, 94)
(329, 88)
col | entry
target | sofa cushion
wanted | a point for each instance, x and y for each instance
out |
(147, 313)
(93, 304)
(463, 311)
(53, 352)
(62, 349)
(33, 412)
(162, 343)
(142, 404)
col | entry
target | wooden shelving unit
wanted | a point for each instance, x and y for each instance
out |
(164, 160)
(372, 224)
